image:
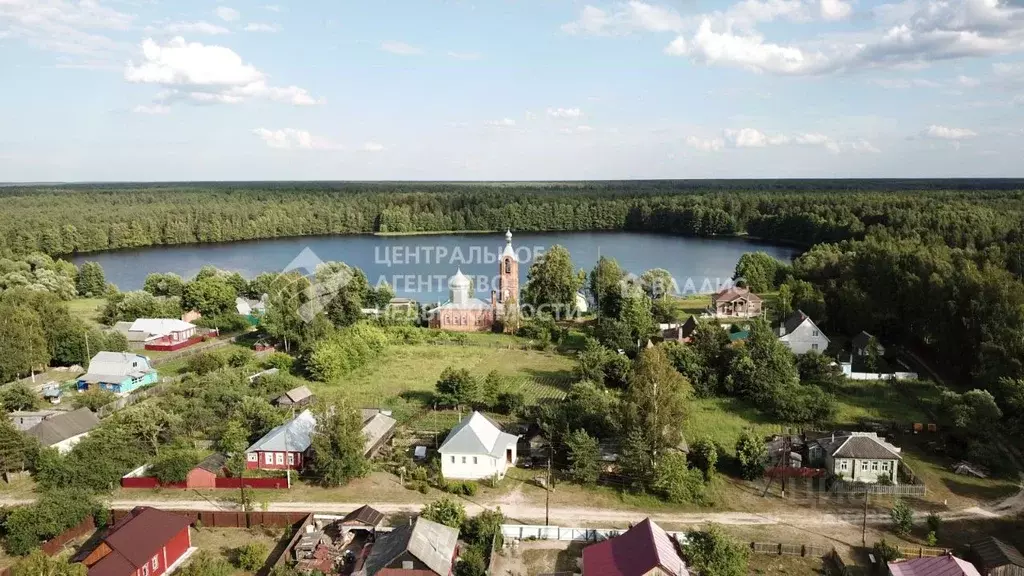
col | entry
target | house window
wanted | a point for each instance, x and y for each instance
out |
(874, 466)
(463, 459)
(291, 459)
(474, 459)
(863, 466)
(145, 570)
(508, 265)
(280, 458)
(155, 562)
(814, 333)
(253, 457)
(885, 466)
(814, 346)
(844, 465)
(453, 459)
(268, 458)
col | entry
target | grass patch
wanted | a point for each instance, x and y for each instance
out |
(789, 565)
(869, 400)
(404, 377)
(724, 419)
(87, 309)
(225, 542)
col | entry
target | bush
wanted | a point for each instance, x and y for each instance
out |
(461, 488)
(204, 563)
(704, 456)
(93, 399)
(902, 518)
(934, 523)
(173, 466)
(886, 553)
(279, 360)
(445, 511)
(228, 322)
(52, 514)
(240, 358)
(205, 363)
(752, 455)
(423, 487)
(471, 563)
(252, 556)
(510, 402)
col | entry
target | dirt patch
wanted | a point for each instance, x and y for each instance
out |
(522, 558)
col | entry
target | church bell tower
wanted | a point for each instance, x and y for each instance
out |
(508, 274)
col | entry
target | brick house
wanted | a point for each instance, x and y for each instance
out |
(736, 302)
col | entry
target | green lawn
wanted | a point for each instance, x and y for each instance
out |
(884, 401)
(87, 309)
(404, 377)
(697, 304)
(723, 419)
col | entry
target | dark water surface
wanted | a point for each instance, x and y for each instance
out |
(418, 266)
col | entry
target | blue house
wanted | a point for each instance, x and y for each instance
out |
(117, 372)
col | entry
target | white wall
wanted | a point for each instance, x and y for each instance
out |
(485, 466)
(65, 446)
(803, 339)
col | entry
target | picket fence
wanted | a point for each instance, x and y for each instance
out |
(538, 532)
(882, 376)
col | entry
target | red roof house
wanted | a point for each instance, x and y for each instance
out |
(643, 549)
(146, 542)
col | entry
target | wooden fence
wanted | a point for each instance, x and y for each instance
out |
(56, 544)
(230, 519)
(779, 549)
(914, 490)
(921, 551)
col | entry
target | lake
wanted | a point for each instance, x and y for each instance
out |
(418, 266)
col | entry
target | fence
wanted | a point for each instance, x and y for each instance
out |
(108, 409)
(882, 376)
(913, 490)
(57, 543)
(921, 551)
(225, 483)
(228, 519)
(779, 549)
(537, 532)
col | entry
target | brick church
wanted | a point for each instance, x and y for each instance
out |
(465, 313)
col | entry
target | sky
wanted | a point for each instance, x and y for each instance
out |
(162, 90)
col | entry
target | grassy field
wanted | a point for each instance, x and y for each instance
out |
(883, 401)
(88, 309)
(225, 542)
(697, 304)
(789, 565)
(724, 419)
(405, 376)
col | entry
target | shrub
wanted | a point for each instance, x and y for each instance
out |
(704, 456)
(886, 553)
(902, 518)
(205, 363)
(510, 402)
(173, 466)
(461, 488)
(445, 511)
(252, 556)
(934, 523)
(932, 539)
(752, 455)
(93, 399)
(240, 358)
(471, 563)
(279, 360)
(423, 487)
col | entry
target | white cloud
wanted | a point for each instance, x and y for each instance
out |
(206, 74)
(372, 147)
(864, 146)
(947, 133)
(705, 145)
(503, 123)
(754, 138)
(581, 129)
(748, 52)
(564, 112)
(628, 17)
(292, 139)
(903, 83)
(200, 27)
(835, 10)
(464, 55)
(227, 14)
(259, 27)
(967, 81)
(154, 109)
(746, 138)
(64, 26)
(400, 48)
(272, 8)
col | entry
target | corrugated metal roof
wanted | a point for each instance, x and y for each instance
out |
(938, 566)
(113, 367)
(293, 436)
(160, 325)
(477, 435)
(638, 551)
(60, 427)
(376, 429)
(431, 543)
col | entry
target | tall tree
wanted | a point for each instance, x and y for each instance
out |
(712, 552)
(656, 399)
(551, 283)
(23, 341)
(338, 445)
(584, 457)
(91, 282)
(606, 286)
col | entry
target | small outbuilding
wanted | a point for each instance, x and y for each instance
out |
(993, 557)
(643, 549)
(205, 474)
(300, 396)
(948, 565)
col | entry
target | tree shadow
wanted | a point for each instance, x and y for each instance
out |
(424, 397)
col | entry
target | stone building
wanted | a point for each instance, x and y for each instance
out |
(465, 313)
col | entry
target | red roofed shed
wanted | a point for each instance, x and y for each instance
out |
(644, 549)
(144, 543)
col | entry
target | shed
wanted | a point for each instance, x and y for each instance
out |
(299, 396)
(205, 474)
(938, 566)
(993, 557)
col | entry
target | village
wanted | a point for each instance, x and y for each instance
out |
(513, 434)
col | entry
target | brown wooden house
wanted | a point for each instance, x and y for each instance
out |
(736, 302)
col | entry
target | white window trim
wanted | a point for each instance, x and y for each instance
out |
(268, 458)
(155, 562)
(279, 458)
(291, 459)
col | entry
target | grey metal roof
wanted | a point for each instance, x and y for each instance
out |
(376, 429)
(293, 436)
(214, 463)
(295, 395)
(63, 426)
(794, 321)
(865, 445)
(113, 367)
(431, 543)
(477, 435)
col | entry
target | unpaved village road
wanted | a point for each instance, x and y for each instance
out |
(529, 513)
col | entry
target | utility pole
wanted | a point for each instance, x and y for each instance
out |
(864, 526)
(547, 496)
(287, 454)
(88, 356)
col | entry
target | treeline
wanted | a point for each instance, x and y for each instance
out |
(90, 218)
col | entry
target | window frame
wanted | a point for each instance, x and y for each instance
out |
(155, 562)
(268, 458)
(279, 458)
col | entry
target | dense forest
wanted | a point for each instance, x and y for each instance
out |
(932, 265)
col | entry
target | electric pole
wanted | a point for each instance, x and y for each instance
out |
(88, 356)
(864, 526)
(547, 496)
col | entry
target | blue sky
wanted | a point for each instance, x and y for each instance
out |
(109, 90)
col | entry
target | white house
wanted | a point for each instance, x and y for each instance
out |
(856, 456)
(64, 430)
(149, 329)
(801, 335)
(476, 448)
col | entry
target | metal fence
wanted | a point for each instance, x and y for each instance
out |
(843, 487)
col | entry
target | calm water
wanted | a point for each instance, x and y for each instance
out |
(418, 266)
